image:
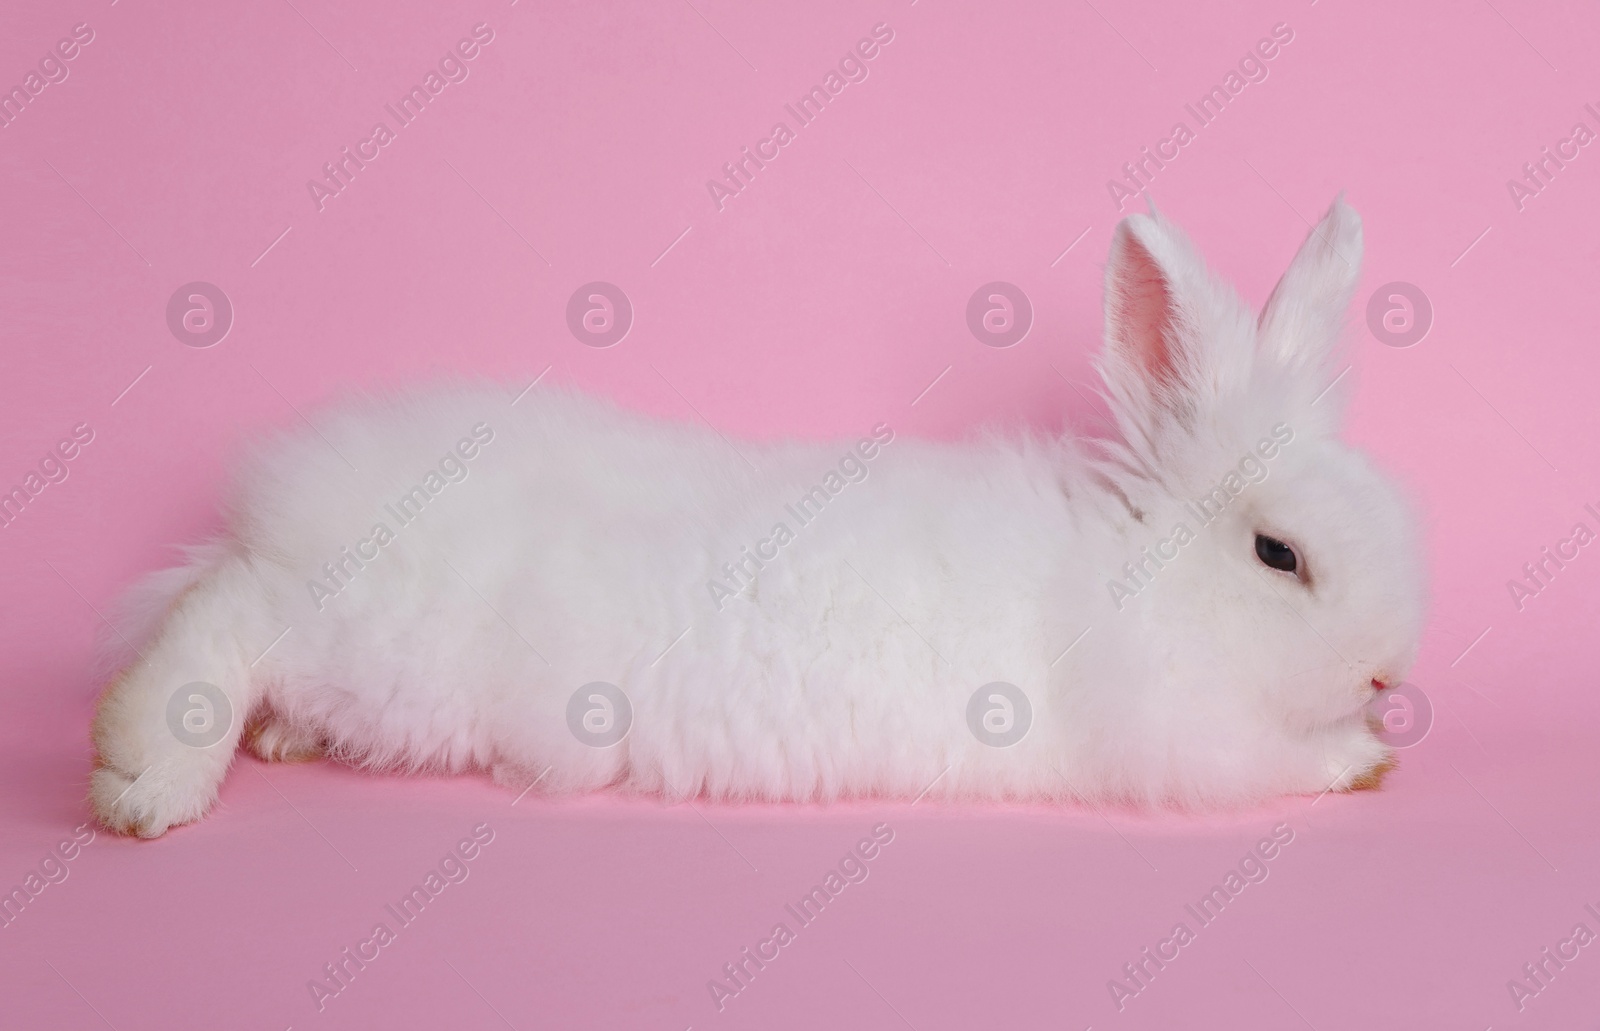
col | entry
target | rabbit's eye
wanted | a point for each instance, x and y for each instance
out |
(1275, 553)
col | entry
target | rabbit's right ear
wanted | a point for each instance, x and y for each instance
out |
(1301, 321)
(1176, 340)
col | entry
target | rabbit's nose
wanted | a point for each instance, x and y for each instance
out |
(1379, 685)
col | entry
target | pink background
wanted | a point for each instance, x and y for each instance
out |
(823, 299)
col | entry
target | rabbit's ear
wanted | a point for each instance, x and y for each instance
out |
(1300, 323)
(1176, 340)
(1141, 315)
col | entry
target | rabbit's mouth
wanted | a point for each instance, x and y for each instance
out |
(1365, 694)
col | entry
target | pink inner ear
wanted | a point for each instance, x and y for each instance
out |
(1142, 312)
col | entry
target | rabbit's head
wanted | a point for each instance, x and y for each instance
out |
(1298, 588)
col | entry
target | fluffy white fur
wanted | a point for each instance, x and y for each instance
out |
(580, 545)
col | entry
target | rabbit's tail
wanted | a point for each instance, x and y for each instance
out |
(144, 606)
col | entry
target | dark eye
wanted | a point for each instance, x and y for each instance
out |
(1275, 553)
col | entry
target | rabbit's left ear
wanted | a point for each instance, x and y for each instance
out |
(1300, 323)
(1177, 341)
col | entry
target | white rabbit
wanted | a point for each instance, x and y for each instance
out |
(1196, 614)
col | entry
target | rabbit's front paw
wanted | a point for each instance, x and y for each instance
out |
(1357, 761)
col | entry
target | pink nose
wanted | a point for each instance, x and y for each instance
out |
(1378, 685)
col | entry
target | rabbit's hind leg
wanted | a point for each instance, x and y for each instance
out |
(166, 728)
